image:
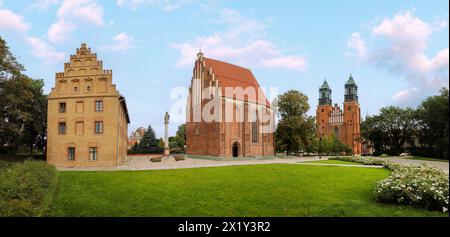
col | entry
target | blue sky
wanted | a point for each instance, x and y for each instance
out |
(397, 51)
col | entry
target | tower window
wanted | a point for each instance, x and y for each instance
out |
(197, 130)
(98, 127)
(62, 107)
(62, 128)
(98, 106)
(92, 153)
(349, 108)
(323, 110)
(254, 132)
(75, 89)
(71, 153)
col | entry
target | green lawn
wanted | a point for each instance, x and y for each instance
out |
(255, 190)
(337, 162)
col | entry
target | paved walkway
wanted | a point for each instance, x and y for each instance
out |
(144, 163)
(402, 160)
(344, 165)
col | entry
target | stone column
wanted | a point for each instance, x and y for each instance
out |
(166, 134)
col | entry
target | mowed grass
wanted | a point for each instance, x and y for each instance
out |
(255, 190)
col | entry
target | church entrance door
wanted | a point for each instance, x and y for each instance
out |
(235, 149)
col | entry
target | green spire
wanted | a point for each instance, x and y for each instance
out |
(325, 85)
(350, 80)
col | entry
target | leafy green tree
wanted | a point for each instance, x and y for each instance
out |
(295, 129)
(23, 106)
(391, 130)
(177, 142)
(433, 114)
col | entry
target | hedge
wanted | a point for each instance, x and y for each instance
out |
(415, 185)
(27, 189)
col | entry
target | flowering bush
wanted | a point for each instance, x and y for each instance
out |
(415, 185)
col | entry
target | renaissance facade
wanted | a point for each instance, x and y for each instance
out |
(87, 116)
(342, 123)
(228, 115)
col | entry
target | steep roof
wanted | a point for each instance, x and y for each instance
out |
(230, 75)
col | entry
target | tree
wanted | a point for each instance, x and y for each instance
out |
(295, 130)
(23, 106)
(391, 130)
(8, 63)
(149, 140)
(433, 114)
(177, 143)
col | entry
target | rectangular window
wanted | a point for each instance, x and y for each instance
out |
(62, 128)
(98, 127)
(98, 106)
(92, 153)
(254, 132)
(197, 130)
(71, 153)
(62, 107)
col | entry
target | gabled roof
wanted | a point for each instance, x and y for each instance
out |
(230, 75)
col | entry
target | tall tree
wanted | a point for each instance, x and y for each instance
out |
(433, 114)
(295, 129)
(389, 131)
(149, 140)
(22, 106)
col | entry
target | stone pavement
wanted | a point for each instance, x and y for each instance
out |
(402, 160)
(144, 163)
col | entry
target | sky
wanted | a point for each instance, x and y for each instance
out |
(397, 51)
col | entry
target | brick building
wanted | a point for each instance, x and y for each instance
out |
(242, 120)
(343, 123)
(136, 137)
(87, 117)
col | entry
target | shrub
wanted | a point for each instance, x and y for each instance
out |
(27, 189)
(156, 159)
(415, 185)
(153, 150)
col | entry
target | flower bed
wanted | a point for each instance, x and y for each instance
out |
(415, 185)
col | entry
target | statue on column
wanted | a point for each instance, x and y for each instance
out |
(166, 134)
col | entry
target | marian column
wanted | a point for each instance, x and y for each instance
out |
(166, 134)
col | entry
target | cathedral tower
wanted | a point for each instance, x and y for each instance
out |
(324, 109)
(352, 116)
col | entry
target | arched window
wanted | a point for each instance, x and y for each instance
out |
(197, 130)
(75, 89)
(88, 88)
(336, 132)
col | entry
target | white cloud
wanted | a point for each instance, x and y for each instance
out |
(70, 14)
(44, 51)
(164, 5)
(43, 5)
(358, 44)
(242, 43)
(60, 31)
(12, 22)
(399, 46)
(82, 10)
(122, 43)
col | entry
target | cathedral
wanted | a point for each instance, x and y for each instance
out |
(242, 122)
(343, 123)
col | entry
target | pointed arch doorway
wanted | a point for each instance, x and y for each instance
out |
(235, 149)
